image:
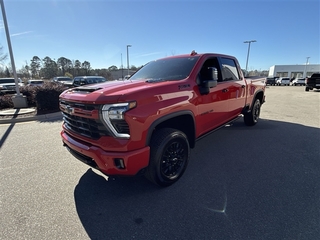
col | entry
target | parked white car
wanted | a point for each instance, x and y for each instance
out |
(299, 81)
(283, 81)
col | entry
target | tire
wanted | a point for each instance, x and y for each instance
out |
(169, 156)
(307, 89)
(251, 118)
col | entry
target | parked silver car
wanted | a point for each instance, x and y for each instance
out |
(299, 81)
(66, 81)
(283, 81)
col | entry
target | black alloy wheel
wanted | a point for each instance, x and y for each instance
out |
(251, 118)
(169, 156)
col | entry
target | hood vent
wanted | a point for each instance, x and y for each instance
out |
(85, 89)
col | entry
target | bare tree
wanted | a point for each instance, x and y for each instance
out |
(2, 56)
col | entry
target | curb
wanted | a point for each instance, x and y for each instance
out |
(44, 117)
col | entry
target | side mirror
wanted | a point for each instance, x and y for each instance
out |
(214, 73)
(212, 81)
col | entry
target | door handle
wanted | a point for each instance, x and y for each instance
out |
(225, 90)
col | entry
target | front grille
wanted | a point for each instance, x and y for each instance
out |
(84, 119)
(88, 124)
(91, 128)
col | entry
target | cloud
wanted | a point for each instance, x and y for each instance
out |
(149, 54)
(18, 34)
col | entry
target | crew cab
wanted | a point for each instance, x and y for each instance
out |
(313, 82)
(148, 123)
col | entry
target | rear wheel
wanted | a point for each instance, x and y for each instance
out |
(169, 156)
(251, 118)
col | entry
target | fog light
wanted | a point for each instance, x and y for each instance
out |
(119, 163)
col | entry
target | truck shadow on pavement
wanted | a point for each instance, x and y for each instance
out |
(259, 182)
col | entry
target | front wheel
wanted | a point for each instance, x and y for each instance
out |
(307, 89)
(169, 156)
(251, 118)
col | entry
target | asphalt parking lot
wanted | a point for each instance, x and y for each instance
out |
(260, 182)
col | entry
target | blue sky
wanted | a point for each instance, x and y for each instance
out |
(98, 31)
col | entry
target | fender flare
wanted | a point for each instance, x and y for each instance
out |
(164, 118)
(247, 107)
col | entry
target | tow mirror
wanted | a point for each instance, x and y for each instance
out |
(211, 82)
(214, 73)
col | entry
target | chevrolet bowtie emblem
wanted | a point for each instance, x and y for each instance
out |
(70, 110)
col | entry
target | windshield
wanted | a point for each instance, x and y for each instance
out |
(166, 69)
(96, 80)
(8, 80)
(99, 80)
(316, 75)
(36, 82)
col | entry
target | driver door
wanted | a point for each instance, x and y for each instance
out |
(212, 107)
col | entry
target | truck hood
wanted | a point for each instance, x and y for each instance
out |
(106, 92)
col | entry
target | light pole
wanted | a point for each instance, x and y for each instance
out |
(305, 68)
(248, 51)
(19, 101)
(128, 57)
(121, 66)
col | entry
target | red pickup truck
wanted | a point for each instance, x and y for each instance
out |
(148, 123)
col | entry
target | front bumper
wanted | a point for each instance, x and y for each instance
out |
(110, 163)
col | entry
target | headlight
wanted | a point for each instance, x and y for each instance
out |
(112, 113)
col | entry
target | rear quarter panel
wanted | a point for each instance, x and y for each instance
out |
(255, 86)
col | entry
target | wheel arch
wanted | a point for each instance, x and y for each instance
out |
(258, 95)
(183, 121)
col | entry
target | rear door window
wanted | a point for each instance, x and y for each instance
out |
(229, 69)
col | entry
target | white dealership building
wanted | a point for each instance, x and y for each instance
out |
(294, 71)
